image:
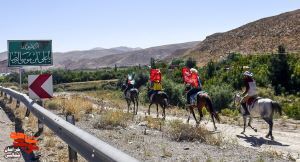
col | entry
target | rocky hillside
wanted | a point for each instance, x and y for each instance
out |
(261, 36)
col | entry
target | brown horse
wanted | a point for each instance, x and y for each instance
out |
(203, 100)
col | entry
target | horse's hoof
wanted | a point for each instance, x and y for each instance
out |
(267, 136)
(215, 128)
(243, 132)
(255, 130)
(272, 138)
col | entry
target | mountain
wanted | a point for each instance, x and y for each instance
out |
(130, 58)
(121, 56)
(261, 36)
(3, 56)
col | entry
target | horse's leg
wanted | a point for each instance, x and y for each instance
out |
(137, 106)
(133, 106)
(244, 118)
(270, 122)
(200, 112)
(213, 120)
(156, 110)
(194, 115)
(128, 105)
(164, 112)
(249, 124)
(189, 111)
(149, 108)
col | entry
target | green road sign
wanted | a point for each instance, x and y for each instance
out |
(29, 53)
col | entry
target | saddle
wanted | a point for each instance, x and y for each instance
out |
(151, 96)
(127, 94)
(250, 102)
(194, 97)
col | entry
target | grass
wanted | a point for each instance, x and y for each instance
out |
(273, 153)
(86, 86)
(110, 119)
(113, 96)
(154, 123)
(75, 105)
(179, 131)
(165, 152)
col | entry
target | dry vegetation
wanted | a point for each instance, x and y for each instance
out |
(179, 131)
(74, 105)
(113, 118)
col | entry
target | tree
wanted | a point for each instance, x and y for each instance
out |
(190, 62)
(280, 71)
(211, 68)
(152, 63)
(281, 49)
(116, 68)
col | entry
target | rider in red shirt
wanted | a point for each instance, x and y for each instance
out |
(195, 86)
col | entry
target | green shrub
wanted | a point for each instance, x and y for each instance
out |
(230, 112)
(53, 105)
(221, 95)
(292, 110)
(175, 92)
(111, 119)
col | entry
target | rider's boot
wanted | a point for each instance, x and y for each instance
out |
(245, 108)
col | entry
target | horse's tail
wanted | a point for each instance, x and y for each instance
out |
(211, 109)
(277, 107)
(166, 99)
(166, 104)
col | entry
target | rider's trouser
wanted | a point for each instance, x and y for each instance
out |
(244, 102)
(191, 92)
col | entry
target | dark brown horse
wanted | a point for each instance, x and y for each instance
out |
(203, 100)
(160, 98)
(132, 95)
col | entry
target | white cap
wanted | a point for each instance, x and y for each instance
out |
(194, 70)
(247, 73)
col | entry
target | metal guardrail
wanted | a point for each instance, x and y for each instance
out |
(87, 145)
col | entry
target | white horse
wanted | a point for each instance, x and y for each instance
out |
(263, 108)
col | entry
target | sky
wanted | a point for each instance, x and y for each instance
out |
(86, 24)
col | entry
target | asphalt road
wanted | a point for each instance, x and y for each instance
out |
(6, 127)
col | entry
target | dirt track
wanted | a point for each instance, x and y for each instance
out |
(285, 132)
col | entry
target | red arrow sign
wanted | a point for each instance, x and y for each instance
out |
(36, 86)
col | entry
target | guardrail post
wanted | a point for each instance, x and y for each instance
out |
(72, 153)
(5, 96)
(10, 99)
(27, 112)
(18, 104)
(40, 124)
